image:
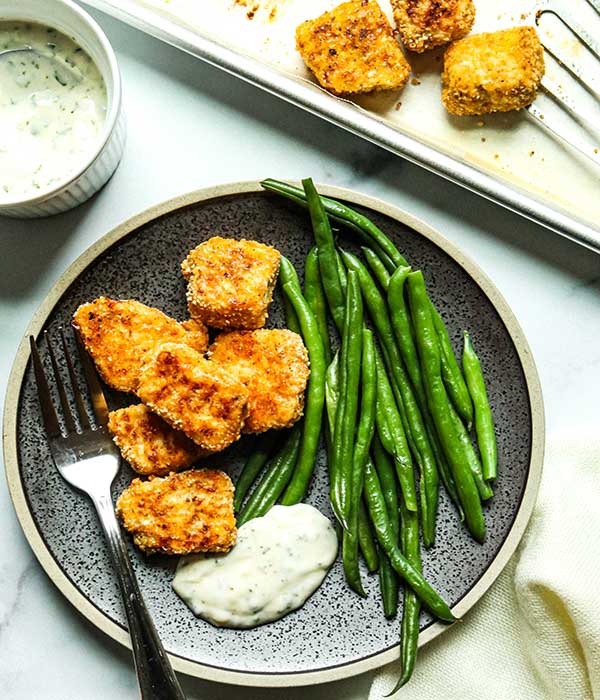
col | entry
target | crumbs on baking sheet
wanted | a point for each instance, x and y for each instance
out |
(268, 8)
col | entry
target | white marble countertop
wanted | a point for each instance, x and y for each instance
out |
(191, 126)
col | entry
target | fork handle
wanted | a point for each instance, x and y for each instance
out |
(156, 678)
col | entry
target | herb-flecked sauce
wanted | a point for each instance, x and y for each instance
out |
(279, 560)
(52, 110)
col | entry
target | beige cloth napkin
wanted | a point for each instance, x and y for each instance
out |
(536, 634)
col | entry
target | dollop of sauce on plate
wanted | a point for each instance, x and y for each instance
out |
(279, 560)
(52, 110)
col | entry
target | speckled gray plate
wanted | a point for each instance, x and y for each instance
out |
(336, 634)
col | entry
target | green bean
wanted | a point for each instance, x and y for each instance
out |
(403, 331)
(387, 479)
(388, 584)
(336, 483)
(366, 425)
(409, 632)
(291, 320)
(345, 215)
(417, 432)
(485, 490)
(257, 459)
(354, 322)
(388, 580)
(445, 474)
(378, 269)
(401, 451)
(315, 396)
(383, 429)
(451, 374)
(343, 275)
(332, 393)
(429, 351)
(326, 252)
(364, 436)
(379, 517)
(274, 480)
(484, 422)
(350, 558)
(366, 540)
(314, 295)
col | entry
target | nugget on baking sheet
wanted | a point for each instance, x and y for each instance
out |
(182, 513)
(194, 395)
(492, 72)
(118, 334)
(425, 24)
(352, 49)
(230, 282)
(273, 364)
(149, 444)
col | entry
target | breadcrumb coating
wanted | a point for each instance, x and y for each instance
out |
(492, 72)
(352, 49)
(230, 282)
(149, 444)
(194, 395)
(425, 24)
(273, 364)
(197, 334)
(183, 513)
(119, 334)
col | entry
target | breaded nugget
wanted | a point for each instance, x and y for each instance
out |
(149, 444)
(273, 364)
(181, 513)
(197, 334)
(194, 395)
(492, 72)
(230, 283)
(118, 334)
(425, 24)
(352, 49)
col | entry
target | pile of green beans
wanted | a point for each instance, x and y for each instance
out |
(395, 407)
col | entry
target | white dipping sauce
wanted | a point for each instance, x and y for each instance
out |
(52, 110)
(279, 560)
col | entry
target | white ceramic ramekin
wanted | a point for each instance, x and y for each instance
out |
(65, 16)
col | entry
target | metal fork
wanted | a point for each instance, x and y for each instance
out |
(87, 458)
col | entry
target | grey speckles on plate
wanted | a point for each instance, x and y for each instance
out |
(335, 627)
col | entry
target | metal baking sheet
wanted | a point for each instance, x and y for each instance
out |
(508, 158)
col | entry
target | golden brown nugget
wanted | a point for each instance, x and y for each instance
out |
(149, 444)
(492, 72)
(194, 395)
(119, 334)
(352, 49)
(274, 365)
(183, 513)
(425, 24)
(230, 282)
(197, 334)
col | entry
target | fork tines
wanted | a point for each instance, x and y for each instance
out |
(73, 422)
(564, 96)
